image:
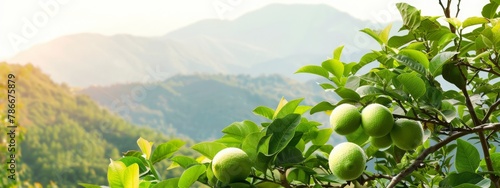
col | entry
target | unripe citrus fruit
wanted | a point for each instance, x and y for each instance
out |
(347, 161)
(376, 120)
(231, 165)
(345, 119)
(381, 142)
(407, 134)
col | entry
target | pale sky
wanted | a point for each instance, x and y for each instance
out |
(32, 22)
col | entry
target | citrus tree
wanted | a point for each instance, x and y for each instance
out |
(403, 127)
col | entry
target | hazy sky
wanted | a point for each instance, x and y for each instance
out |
(26, 23)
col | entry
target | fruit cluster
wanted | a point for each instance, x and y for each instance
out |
(378, 123)
(347, 160)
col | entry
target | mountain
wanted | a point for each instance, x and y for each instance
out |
(200, 106)
(283, 37)
(67, 138)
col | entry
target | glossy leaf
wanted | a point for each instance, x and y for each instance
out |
(288, 108)
(437, 62)
(145, 146)
(264, 111)
(282, 131)
(183, 161)
(338, 52)
(322, 106)
(208, 149)
(190, 175)
(166, 150)
(474, 21)
(240, 130)
(116, 169)
(467, 157)
(417, 56)
(411, 63)
(334, 66)
(412, 84)
(314, 69)
(172, 182)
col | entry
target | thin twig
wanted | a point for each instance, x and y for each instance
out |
(420, 159)
(493, 107)
(458, 8)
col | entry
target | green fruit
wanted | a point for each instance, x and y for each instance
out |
(382, 142)
(231, 165)
(376, 120)
(407, 134)
(347, 161)
(345, 119)
(451, 73)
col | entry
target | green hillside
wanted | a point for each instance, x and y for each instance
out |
(191, 104)
(68, 138)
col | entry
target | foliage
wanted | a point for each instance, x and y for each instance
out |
(290, 151)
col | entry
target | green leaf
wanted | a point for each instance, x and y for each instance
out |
(398, 41)
(264, 111)
(411, 16)
(384, 34)
(240, 130)
(314, 69)
(183, 161)
(346, 93)
(367, 90)
(495, 159)
(250, 144)
(172, 182)
(358, 137)
(454, 22)
(334, 66)
(208, 149)
(190, 175)
(289, 156)
(128, 160)
(455, 179)
(282, 131)
(130, 177)
(338, 52)
(86, 185)
(412, 84)
(373, 34)
(322, 137)
(467, 157)
(322, 106)
(474, 21)
(302, 109)
(166, 150)
(115, 173)
(366, 59)
(489, 10)
(417, 56)
(288, 108)
(411, 63)
(144, 184)
(437, 62)
(145, 146)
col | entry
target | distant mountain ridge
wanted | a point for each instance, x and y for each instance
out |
(283, 37)
(199, 106)
(68, 138)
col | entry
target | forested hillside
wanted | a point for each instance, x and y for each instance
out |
(68, 138)
(191, 104)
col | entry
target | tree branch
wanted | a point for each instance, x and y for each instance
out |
(420, 159)
(493, 107)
